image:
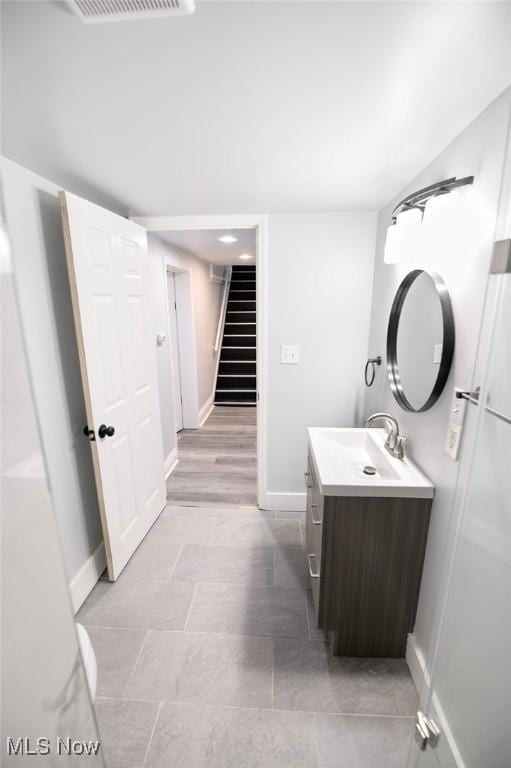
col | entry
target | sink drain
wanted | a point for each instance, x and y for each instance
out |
(369, 470)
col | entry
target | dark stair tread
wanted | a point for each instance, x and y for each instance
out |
(245, 316)
(247, 354)
(239, 341)
(236, 382)
(240, 367)
(233, 397)
(241, 305)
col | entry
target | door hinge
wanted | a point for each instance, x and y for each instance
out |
(427, 731)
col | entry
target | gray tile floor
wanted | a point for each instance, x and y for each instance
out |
(208, 656)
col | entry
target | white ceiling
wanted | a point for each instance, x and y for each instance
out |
(204, 243)
(248, 107)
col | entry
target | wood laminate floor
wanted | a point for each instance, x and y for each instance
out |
(218, 462)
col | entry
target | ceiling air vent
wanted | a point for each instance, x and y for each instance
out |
(122, 10)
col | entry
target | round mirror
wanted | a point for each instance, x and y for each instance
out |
(420, 340)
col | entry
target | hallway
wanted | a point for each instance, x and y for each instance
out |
(218, 462)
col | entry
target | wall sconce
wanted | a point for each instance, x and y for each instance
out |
(391, 243)
(403, 235)
(403, 232)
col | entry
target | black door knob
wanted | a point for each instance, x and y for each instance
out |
(105, 431)
(89, 433)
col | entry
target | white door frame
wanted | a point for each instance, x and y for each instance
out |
(186, 339)
(259, 222)
(173, 347)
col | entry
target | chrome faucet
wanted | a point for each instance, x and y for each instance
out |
(394, 442)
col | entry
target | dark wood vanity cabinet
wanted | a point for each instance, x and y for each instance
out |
(365, 558)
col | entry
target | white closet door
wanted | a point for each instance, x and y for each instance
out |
(110, 288)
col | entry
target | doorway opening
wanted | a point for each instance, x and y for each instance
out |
(219, 454)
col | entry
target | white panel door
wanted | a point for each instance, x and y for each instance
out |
(175, 372)
(110, 288)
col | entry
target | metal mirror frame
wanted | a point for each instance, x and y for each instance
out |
(447, 343)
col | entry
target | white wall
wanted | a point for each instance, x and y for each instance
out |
(319, 278)
(33, 221)
(342, 102)
(163, 364)
(207, 298)
(201, 321)
(458, 247)
(39, 644)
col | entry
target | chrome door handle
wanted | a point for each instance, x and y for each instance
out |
(306, 476)
(312, 574)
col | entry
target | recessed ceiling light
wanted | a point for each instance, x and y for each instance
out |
(228, 239)
(246, 256)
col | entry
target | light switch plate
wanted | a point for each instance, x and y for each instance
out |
(289, 354)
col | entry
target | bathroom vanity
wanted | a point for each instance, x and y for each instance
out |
(366, 535)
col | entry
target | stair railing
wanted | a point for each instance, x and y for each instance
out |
(223, 310)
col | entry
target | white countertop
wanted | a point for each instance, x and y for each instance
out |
(339, 456)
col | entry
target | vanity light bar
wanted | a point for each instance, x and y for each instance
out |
(420, 198)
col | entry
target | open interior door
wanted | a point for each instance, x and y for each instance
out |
(109, 277)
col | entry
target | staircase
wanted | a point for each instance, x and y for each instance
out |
(236, 380)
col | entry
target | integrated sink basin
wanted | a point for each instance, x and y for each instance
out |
(354, 462)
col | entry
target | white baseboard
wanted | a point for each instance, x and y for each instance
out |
(171, 462)
(284, 502)
(206, 410)
(82, 583)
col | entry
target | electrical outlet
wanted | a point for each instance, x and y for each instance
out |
(455, 427)
(453, 440)
(289, 354)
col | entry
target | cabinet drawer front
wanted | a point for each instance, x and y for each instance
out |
(314, 534)
(314, 517)
(316, 547)
(310, 501)
(316, 582)
(314, 525)
(314, 558)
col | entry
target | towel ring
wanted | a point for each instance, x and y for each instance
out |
(370, 370)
